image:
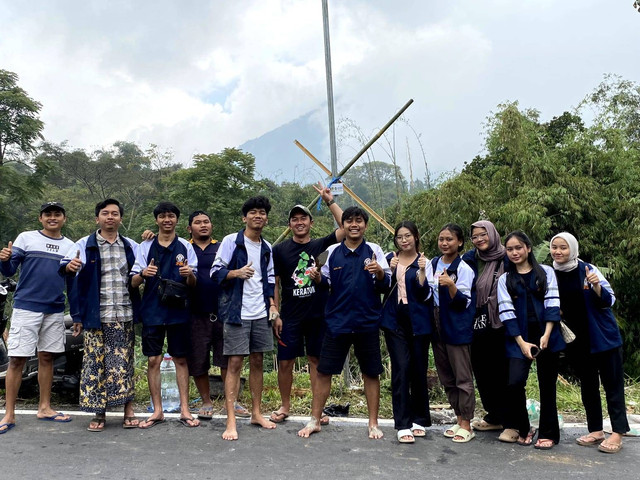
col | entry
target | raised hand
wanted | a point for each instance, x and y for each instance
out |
(246, 272)
(324, 192)
(422, 261)
(393, 263)
(148, 235)
(75, 264)
(374, 268)
(444, 279)
(151, 270)
(5, 253)
(592, 277)
(185, 271)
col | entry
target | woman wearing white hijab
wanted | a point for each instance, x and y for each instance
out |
(585, 300)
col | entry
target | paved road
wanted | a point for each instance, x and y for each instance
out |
(37, 449)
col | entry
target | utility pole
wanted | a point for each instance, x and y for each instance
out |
(327, 64)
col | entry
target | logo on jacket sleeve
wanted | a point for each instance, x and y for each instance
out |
(180, 260)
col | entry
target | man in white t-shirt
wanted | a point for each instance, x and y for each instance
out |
(244, 269)
(37, 322)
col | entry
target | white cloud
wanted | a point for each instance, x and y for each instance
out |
(198, 76)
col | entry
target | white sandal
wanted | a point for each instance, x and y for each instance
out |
(418, 430)
(405, 433)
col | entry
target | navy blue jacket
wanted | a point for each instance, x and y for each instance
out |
(456, 319)
(230, 295)
(604, 333)
(420, 308)
(514, 314)
(354, 304)
(84, 296)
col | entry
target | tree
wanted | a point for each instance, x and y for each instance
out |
(544, 178)
(20, 126)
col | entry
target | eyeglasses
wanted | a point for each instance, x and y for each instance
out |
(399, 238)
(479, 236)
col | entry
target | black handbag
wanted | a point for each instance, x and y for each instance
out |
(173, 294)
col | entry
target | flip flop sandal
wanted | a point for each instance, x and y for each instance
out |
(152, 422)
(466, 435)
(451, 432)
(99, 421)
(185, 421)
(610, 447)
(126, 425)
(589, 440)
(539, 445)
(278, 417)
(324, 420)
(418, 430)
(9, 426)
(205, 413)
(403, 434)
(57, 417)
(528, 440)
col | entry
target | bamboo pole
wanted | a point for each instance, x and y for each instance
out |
(355, 159)
(351, 193)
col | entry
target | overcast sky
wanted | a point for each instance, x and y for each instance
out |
(198, 76)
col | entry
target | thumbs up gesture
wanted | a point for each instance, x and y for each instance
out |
(246, 272)
(151, 270)
(5, 253)
(75, 264)
(422, 261)
(591, 277)
(444, 279)
(393, 263)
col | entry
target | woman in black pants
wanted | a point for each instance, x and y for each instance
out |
(586, 299)
(530, 311)
(406, 322)
(488, 357)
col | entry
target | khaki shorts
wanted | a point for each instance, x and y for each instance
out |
(35, 330)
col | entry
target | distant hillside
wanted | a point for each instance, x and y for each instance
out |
(279, 159)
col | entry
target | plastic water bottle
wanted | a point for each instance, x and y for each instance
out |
(533, 409)
(168, 385)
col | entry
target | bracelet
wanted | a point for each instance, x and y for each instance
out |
(331, 202)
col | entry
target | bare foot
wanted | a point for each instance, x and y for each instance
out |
(375, 433)
(230, 434)
(262, 422)
(312, 426)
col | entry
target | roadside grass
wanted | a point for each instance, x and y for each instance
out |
(349, 389)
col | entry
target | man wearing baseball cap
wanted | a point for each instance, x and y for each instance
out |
(300, 327)
(37, 322)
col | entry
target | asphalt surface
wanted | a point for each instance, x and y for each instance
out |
(39, 449)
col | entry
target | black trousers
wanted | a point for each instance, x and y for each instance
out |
(591, 368)
(409, 356)
(490, 369)
(516, 413)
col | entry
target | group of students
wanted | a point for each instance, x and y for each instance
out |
(491, 313)
(488, 314)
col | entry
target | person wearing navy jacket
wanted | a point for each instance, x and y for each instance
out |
(586, 299)
(357, 273)
(453, 321)
(165, 257)
(406, 323)
(102, 304)
(529, 308)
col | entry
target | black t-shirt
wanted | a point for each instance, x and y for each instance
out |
(301, 298)
(205, 295)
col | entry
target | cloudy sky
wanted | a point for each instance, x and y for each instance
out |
(197, 76)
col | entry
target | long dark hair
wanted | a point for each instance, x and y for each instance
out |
(457, 231)
(538, 271)
(409, 225)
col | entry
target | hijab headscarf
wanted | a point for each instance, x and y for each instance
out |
(573, 252)
(486, 286)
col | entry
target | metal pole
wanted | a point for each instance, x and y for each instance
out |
(327, 64)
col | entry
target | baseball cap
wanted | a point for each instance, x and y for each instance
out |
(300, 208)
(52, 206)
